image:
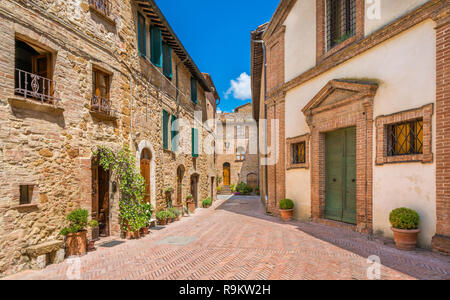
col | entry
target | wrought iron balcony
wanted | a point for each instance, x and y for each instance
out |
(103, 6)
(102, 106)
(36, 87)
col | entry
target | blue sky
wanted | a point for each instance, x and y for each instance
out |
(217, 36)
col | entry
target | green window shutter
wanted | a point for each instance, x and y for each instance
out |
(156, 46)
(195, 142)
(167, 60)
(174, 134)
(194, 90)
(141, 36)
(165, 129)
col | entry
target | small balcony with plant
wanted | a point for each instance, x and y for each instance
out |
(101, 105)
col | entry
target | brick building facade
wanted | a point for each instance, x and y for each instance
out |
(362, 118)
(78, 75)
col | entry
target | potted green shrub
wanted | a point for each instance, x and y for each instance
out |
(76, 232)
(176, 212)
(162, 217)
(147, 210)
(207, 202)
(170, 216)
(286, 209)
(191, 204)
(405, 225)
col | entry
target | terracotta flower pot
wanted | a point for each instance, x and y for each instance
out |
(191, 206)
(286, 214)
(76, 244)
(91, 246)
(136, 235)
(162, 222)
(145, 231)
(129, 235)
(405, 239)
(177, 218)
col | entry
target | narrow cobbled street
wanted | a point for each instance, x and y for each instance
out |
(234, 239)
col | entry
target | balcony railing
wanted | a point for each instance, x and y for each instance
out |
(103, 6)
(102, 105)
(33, 86)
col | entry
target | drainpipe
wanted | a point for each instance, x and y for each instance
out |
(265, 116)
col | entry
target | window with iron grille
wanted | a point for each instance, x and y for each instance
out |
(405, 138)
(240, 154)
(340, 21)
(100, 92)
(299, 153)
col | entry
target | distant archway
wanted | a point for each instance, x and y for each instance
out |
(145, 150)
(146, 159)
(226, 174)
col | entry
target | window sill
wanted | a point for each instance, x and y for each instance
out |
(36, 105)
(337, 48)
(26, 207)
(414, 158)
(101, 14)
(297, 166)
(103, 116)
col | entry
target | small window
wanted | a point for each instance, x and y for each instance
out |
(240, 131)
(299, 153)
(240, 154)
(175, 132)
(26, 194)
(100, 88)
(195, 144)
(340, 20)
(102, 6)
(165, 130)
(405, 138)
(194, 90)
(142, 40)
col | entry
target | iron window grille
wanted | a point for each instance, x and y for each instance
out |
(299, 153)
(340, 21)
(405, 138)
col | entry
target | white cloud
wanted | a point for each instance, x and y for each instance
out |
(240, 88)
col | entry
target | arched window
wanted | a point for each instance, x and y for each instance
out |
(240, 154)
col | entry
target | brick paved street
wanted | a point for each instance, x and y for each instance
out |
(236, 240)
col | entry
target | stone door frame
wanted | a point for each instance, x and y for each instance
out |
(343, 104)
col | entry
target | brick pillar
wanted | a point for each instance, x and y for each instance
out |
(441, 241)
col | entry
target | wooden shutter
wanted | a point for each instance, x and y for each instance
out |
(156, 46)
(194, 90)
(142, 36)
(167, 60)
(195, 151)
(165, 129)
(174, 134)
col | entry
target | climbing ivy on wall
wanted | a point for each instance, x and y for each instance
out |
(131, 185)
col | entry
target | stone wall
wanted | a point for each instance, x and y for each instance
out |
(50, 147)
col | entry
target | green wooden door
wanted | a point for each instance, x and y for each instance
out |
(340, 202)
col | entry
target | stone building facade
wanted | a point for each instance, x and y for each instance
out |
(237, 158)
(76, 75)
(360, 113)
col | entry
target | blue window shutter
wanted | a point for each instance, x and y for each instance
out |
(174, 134)
(195, 142)
(194, 90)
(167, 60)
(156, 46)
(142, 36)
(165, 129)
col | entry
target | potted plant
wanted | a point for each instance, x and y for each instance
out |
(91, 243)
(191, 204)
(405, 225)
(147, 210)
(207, 202)
(286, 209)
(176, 212)
(162, 217)
(76, 233)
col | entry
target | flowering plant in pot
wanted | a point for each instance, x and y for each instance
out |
(76, 232)
(191, 204)
(405, 225)
(207, 202)
(162, 217)
(147, 210)
(286, 209)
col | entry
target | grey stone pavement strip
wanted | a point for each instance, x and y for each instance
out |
(235, 239)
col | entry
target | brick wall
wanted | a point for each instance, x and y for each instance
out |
(441, 241)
